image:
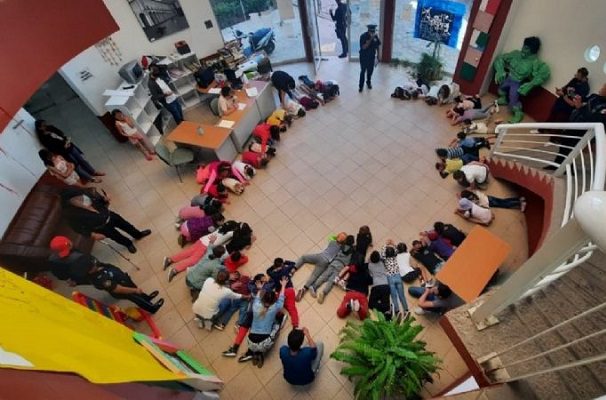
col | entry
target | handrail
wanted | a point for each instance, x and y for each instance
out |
(541, 269)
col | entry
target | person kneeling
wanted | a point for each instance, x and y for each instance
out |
(301, 364)
(431, 299)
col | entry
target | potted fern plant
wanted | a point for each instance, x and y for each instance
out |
(384, 357)
(430, 67)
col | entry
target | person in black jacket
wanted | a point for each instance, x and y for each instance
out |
(54, 140)
(83, 269)
(356, 296)
(340, 18)
(284, 83)
(591, 109)
(162, 95)
(369, 45)
(87, 212)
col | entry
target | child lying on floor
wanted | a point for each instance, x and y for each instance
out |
(473, 212)
(463, 103)
(257, 160)
(281, 119)
(442, 94)
(467, 149)
(474, 114)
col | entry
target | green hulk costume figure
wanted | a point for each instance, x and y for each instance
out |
(517, 73)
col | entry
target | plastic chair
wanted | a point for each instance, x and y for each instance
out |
(174, 158)
(214, 106)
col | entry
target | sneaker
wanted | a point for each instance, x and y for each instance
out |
(419, 311)
(320, 297)
(231, 352)
(300, 293)
(255, 359)
(199, 322)
(171, 274)
(356, 305)
(283, 322)
(430, 283)
(313, 293)
(219, 326)
(360, 89)
(246, 357)
(496, 106)
(369, 85)
(260, 360)
(166, 263)
(131, 248)
(181, 240)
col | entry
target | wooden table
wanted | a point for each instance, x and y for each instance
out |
(214, 139)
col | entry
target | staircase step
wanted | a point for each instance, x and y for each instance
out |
(580, 289)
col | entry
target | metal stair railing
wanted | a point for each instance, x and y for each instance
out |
(583, 168)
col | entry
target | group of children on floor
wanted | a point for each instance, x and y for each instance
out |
(461, 158)
(377, 282)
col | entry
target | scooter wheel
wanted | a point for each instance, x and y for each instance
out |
(271, 46)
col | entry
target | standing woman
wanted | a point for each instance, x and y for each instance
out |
(56, 142)
(61, 169)
(369, 44)
(126, 127)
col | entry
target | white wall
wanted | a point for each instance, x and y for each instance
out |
(20, 165)
(566, 28)
(133, 43)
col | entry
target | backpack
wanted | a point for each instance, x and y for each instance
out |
(308, 103)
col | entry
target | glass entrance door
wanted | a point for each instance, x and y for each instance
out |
(363, 12)
(314, 32)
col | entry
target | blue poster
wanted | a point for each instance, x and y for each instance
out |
(439, 20)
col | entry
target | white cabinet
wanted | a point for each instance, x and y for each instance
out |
(181, 70)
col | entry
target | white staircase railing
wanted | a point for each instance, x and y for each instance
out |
(578, 159)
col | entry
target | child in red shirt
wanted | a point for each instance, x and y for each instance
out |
(235, 261)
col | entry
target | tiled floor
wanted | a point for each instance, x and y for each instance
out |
(362, 159)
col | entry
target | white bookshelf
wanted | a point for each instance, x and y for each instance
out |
(137, 104)
(182, 78)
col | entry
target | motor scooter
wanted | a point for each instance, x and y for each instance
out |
(262, 39)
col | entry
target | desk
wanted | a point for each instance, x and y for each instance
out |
(257, 108)
(214, 139)
(266, 100)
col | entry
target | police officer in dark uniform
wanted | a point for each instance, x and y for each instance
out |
(78, 268)
(369, 44)
(120, 286)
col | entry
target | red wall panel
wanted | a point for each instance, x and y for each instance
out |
(38, 37)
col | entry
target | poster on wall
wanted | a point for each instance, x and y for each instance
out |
(159, 19)
(439, 20)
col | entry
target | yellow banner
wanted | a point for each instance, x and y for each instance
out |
(44, 331)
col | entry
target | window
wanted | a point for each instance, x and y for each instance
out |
(592, 53)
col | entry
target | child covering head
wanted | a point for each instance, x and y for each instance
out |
(363, 240)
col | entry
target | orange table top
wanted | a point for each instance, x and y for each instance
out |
(187, 133)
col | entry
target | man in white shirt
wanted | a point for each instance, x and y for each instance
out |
(471, 175)
(206, 307)
(162, 94)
